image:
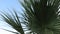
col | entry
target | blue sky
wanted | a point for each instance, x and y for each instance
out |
(9, 4)
(4, 4)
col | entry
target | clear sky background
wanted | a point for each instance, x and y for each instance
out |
(4, 4)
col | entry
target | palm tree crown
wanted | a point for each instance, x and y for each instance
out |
(39, 16)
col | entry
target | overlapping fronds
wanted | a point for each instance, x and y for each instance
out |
(41, 15)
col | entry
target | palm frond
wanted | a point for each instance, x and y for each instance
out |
(15, 23)
(41, 15)
(9, 31)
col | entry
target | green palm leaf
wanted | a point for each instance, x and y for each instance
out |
(41, 15)
(9, 31)
(13, 21)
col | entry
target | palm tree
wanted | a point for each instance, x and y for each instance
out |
(39, 16)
